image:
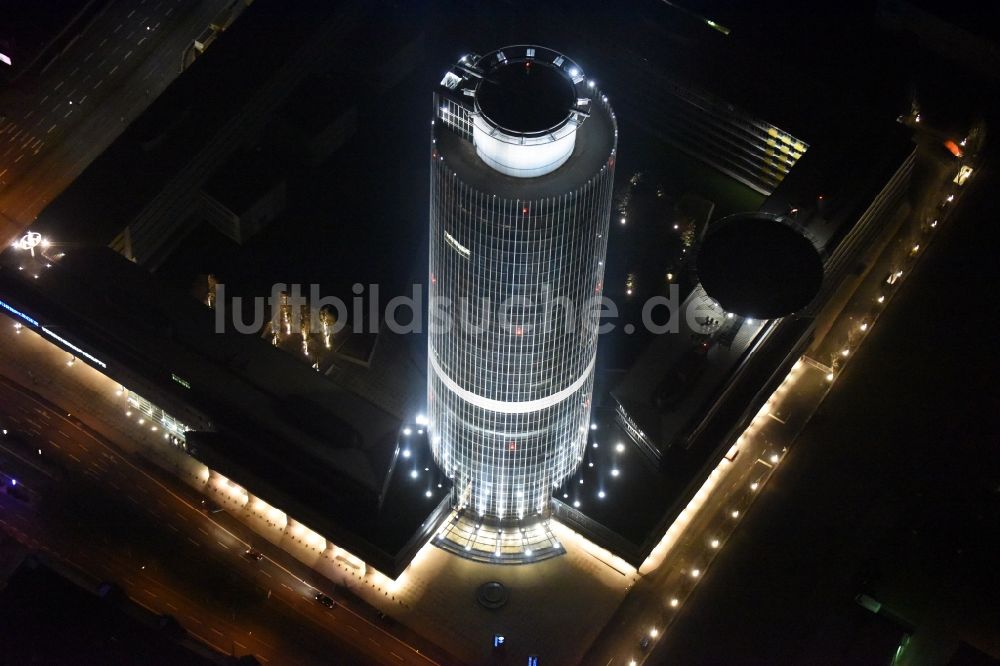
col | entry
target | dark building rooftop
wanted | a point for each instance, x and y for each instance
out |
(759, 266)
(221, 102)
(322, 452)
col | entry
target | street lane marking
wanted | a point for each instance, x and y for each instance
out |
(203, 531)
(169, 525)
(76, 459)
(194, 542)
(144, 606)
(208, 642)
(395, 655)
(217, 631)
(223, 545)
(285, 586)
(265, 573)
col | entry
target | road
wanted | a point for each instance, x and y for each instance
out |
(60, 120)
(110, 518)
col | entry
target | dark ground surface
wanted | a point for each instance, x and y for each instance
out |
(892, 490)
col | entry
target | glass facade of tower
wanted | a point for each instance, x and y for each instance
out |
(516, 273)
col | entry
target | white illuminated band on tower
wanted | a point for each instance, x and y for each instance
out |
(509, 406)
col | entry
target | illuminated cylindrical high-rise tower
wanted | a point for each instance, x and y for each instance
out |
(522, 167)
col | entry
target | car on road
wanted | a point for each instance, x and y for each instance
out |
(325, 600)
(252, 554)
(892, 277)
(208, 506)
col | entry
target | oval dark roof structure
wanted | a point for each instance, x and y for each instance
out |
(527, 96)
(759, 265)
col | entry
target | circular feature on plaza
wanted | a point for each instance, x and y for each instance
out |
(526, 97)
(759, 265)
(492, 594)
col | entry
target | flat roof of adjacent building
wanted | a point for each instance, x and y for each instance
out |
(319, 448)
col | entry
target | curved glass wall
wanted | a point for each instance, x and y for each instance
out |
(514, 284)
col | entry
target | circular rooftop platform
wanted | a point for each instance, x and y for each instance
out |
(759, 265)
(526, 97)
